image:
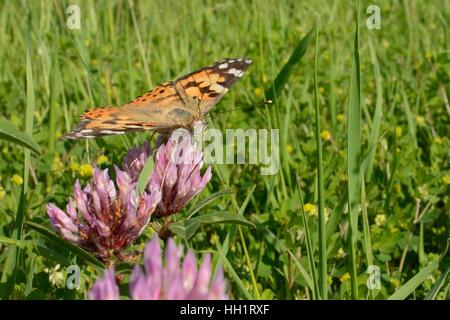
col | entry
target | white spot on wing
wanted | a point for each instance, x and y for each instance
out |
(223, 65)
(111, 132)
(236, 72)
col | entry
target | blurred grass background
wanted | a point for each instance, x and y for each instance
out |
(125, 47)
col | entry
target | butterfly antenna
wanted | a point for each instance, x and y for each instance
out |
(264, 103)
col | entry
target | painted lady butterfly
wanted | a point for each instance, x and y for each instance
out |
(168, 106)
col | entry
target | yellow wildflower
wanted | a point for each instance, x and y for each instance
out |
(57, 164)
(325, 135)
(420, 121)
(289, 148)
(437, 140)
(340, 117)
(380, 219)
(423, 191)
(385, 44)
(86, 171)
(395, 282)
(102, 160)
(446, 179)
(58, 134)
(74, 166)
(214, 239)
(2, 193)
(258, 92)
(340, 254)
(398, 132)
(17, 179)
(310, 209)
(346, 276)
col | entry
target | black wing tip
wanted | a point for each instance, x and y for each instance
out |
(246, 61)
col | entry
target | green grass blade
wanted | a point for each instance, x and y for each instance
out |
(83, 254)
(302, 271)
(309, 247)
(10, 269)
(10, 133)
(410, 118)
(206, 201)
(416, 281)
(145, 175)
(287, 70)
(353, 158)
(228, 267)
(366, 228)
(323, 286)
(431, 295)
(376, 123)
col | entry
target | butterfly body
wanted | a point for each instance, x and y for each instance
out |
(166, 107)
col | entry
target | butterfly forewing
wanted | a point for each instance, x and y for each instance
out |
(167, 106)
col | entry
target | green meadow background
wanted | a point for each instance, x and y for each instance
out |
(363, 115)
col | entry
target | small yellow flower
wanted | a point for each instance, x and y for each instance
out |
(385, 44)
(437, 140)
(420, 121)
(346, 276)
(138, 65)
(214, 239)
(264, 78)
(57, 164)
(340, 254)
(340, 117)
(398, 132)
(394, 230)
(48, 189)
(2, 193)
(380, 219)
(289, 148)
(58, 134)
(321, 90)
(395, 282)
(102, 160)
(329, 280)
(258, 92)
(310, 209)
(325, 135)
(446, 179)
(74, 166)
(86, 171)
(17, 179)
(423, 191)
(327, 212)
(397, 188)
